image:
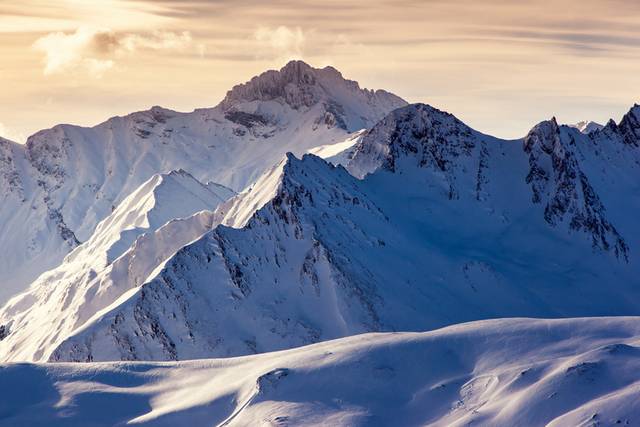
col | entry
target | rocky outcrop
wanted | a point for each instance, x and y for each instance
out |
(629, 127)
(301, 86)
(558, 183)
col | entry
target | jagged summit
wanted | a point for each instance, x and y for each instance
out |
(335, 100)
(629, 126)
(417, 130)
(587, 126)
(298, 84)
(545, 134)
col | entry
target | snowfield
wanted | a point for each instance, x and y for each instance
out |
(508, 372)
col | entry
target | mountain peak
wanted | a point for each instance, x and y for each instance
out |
(294, 83)
(405, 132)
(629, 126)
(300, 86)
(546, 134)
(290, 171)
(587, 126)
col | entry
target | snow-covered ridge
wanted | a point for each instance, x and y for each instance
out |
(562, 164)
(67, 179)
(342, 152)
(442, 220)
(501, 373)
(162, 198)
(446, 225)
(318, 254)
(165, 213)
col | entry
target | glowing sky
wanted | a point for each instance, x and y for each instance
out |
(499, 65)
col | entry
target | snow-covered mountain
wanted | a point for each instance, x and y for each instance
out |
(164, 214)
(55, 189)
(445, 225)
(509, 372)
(587, 126)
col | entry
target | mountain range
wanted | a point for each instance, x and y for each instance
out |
(57, 187)
(429, 223)
(306, 228)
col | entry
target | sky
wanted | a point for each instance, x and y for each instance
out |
(499, 65)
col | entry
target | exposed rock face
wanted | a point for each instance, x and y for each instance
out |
(296, 84)
(558, 183)
(10, 178)
(629, 127)
(425, 137)
(300, 86)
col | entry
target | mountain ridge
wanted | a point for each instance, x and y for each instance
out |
(318, 254)
(68, 178)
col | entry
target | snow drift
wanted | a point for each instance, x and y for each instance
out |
(510, 372)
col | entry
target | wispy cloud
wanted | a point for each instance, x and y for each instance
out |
(518, 60)
(280, 43)
(96, 50)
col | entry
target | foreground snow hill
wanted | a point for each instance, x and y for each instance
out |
(508, 372)
(447, 225)
(55, 189)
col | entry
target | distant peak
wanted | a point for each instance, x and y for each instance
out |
(298, 84)
(586, 126)
(296, 65)
(292, 83)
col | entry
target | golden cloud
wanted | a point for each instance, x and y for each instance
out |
(95, 50)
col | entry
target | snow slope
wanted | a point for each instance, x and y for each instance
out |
(164, 214)
(508, 372)
(447, 225)
(57, 187)
(339, 153)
